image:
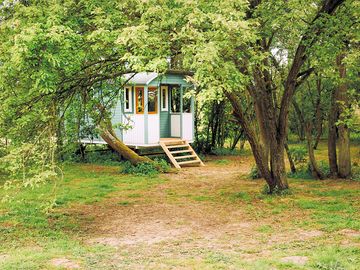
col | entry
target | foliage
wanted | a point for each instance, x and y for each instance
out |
(29, 164)
(299, 155)
(254, 172)
(146, 168)
(225, 152)
(276, 191)
(93, 154)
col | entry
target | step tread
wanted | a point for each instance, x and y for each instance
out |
(190, 161)
(177, 146)
(182, 157)
(181, 151)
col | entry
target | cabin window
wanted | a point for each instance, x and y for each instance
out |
(175, 99)
(187, 100)
(164, 98)
(139, 100)
(152, 100)
(127, 99)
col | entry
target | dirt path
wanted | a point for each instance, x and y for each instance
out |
(190, 215)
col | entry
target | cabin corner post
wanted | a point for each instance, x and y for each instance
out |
(146, 112)
(181, 111)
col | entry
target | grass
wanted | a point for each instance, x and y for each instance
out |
(244, 228)
(25, 224)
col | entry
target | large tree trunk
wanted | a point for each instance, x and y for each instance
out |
(344, 161)
(109, 136)
(278, 171)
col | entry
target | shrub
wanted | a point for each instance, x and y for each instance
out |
(254, 172)
(324, 167)
(266, 191)
(299, 155)
(302, 172)
(225, 152)
(146, 168)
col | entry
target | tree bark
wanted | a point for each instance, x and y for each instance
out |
(118, 146)
(291, 161)
(318, 114)
(108, 135)
(236, 140)
(333, 115)
(315, 171)
(344, 159)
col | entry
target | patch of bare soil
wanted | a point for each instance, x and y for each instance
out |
(177, 219)
(299, 260)
(3, 257)
(64, 263)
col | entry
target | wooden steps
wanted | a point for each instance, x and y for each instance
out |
(179, 156)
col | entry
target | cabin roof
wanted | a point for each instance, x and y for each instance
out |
(148, 77)
(140, 78)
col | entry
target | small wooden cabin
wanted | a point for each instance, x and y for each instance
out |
(159, 108)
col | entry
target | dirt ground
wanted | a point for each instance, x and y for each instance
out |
(192, 215)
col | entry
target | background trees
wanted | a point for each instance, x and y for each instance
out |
(250, 60)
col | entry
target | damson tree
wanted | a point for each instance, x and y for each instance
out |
(58, 54)
(259, 51)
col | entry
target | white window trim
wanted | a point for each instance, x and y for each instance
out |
(166, 107)
(130, 109)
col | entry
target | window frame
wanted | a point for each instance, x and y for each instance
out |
(164, 88)
(137, 90)
(154, 89)
(130, 101)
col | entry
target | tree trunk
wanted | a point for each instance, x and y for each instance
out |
(277, 164)
(236, 140)
(333, 115)
(291, 161)
(315, 171)
(344, 161)
(109, 136)
(242, 144)
(318, 113)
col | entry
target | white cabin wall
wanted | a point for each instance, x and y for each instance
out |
(187, 127)
(175, 125)
(136, 134)
(153, 128)
(117, 118)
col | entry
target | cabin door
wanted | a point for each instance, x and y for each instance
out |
(164, 112)
(175, 115)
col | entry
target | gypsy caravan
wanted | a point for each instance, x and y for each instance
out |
(159, 110)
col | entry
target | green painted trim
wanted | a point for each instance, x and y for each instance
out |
(146, 112)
